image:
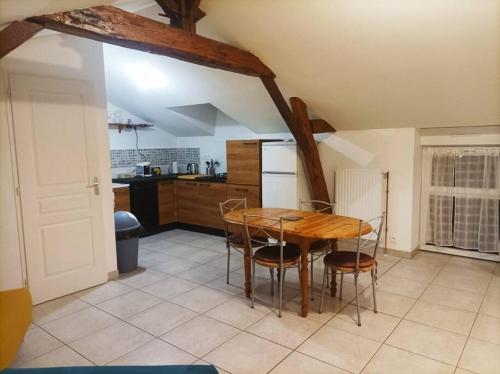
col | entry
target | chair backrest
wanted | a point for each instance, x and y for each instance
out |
(371, 241)
(317, 206)
(228, 206)
(259, 235)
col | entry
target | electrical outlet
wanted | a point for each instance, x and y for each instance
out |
(393, 238)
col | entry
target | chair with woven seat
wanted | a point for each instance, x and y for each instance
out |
(319, 247)
(233, 240)
(360, 260)
(269, 250)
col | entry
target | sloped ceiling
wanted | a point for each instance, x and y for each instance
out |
(357, 64)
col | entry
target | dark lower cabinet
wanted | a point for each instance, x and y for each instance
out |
(144, 204)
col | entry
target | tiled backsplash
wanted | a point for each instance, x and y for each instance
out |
(121, 158)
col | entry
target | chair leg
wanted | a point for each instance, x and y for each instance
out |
(357, 297)
(271, 272)
(228, 262)
(312, 277)
(282, 276)
(325, 277)
(253, 283)
(373, 290)
(341, 284)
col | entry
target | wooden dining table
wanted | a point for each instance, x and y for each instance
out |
(300, 228)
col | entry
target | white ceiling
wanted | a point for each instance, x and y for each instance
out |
(357, 64)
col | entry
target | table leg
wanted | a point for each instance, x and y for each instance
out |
(304, 277)
(247, 267)
(333, 282)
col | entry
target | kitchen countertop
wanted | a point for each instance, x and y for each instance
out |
(119, 185)
(161, 177)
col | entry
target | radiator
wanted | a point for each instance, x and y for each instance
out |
(360, 193)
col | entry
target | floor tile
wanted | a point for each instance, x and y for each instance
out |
(339, 348)
(414, 271)
(491, 303)
(203, 256)
(447, 296)
(202, 274)
(170, 287)
(51, 310)
(201, 299)
(375, 326)
(428, 341)
(299, 363)
(175, 266)
(200, 335)
(290, 330)
(109, 344)
(390, 360)
(142, 277)
(443, 317)
(151, 258)
(388, 303)
(430, 258)
(480, 357)
(463, 371)
(238, 313)
(162, 318)
(103, 292)
(471, 263)
(155, 352)
(401, 286)
(36, 343)
(486, 328)
(221, 262)
(235, 286)
(461, 281)
(79, 324)
(183, 251)
(246, 353)
(129, 304)
(63, 356)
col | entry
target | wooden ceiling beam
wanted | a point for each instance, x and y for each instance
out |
(182, 13)
(115, 26)
(321, 126)
(16, 34)
(297, 120)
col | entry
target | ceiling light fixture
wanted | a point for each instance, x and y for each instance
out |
(145, 76)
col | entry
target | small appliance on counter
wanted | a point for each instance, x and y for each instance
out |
(192, 168)
(156, 170)
(143, 169)
(173, 169)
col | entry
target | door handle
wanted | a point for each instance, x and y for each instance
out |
(95, 186)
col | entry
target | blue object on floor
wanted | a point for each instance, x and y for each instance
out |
(170, 369)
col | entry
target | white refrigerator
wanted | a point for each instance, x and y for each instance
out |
(279, 175)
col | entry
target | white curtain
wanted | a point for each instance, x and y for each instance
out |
(464, 199)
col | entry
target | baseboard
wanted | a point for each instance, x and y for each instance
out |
(400, 253)
(113, 275)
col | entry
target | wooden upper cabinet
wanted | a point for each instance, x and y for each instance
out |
(122, 199)
(166, 202)
(243, 162)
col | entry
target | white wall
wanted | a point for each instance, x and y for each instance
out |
(390, 149)
(153, 137)
(58, 56)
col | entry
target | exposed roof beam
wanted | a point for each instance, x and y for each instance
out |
(115, 26)
(320, 126)
(182, 13)
(16, 34)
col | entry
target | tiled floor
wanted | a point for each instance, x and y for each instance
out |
(437, 314)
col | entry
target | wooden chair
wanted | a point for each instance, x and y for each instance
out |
(362, 259)
(318, 247)
(269, 250)
(233, 240)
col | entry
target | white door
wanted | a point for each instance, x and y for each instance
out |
(279, 191)
(56, 148)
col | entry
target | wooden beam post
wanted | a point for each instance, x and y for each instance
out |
(115, 26)
(298, 122)
(16, 34)
(321, 126)
(182, 13)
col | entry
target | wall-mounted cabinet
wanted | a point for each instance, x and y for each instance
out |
(243, 162)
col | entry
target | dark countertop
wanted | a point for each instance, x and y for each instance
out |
(161, 177)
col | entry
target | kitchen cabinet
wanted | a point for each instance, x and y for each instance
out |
(122, 199)
(209, 197)
(186, 201)
(243, 162)
(166, 202)
(197, 203)
(252, 194)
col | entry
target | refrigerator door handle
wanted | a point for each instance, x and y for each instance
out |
(279, 172)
